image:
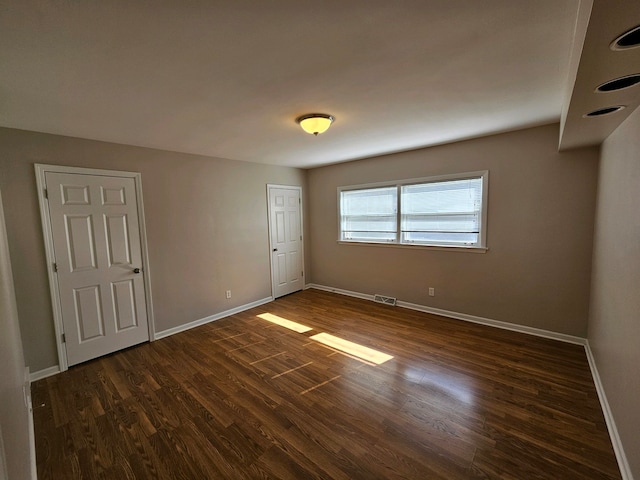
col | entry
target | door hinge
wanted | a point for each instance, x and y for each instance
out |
(55, 267)
(64, 338)
(302, 274)
(46, 194)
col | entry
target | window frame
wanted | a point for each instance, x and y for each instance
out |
(480, 247)
(394, 214)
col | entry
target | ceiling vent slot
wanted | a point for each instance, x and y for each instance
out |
(619, 83)
(386, 300)
(604, 111)
(629, 39)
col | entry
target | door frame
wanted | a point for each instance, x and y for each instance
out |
(54, 289)
(304, 269)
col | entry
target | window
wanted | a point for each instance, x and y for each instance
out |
(370, 215)
(438, 211)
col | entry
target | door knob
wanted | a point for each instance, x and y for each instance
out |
(136, 270)
(275, 249)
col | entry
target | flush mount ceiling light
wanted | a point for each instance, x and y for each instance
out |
(619, 83)
(315, 123)
(604, 111)
(629, 39)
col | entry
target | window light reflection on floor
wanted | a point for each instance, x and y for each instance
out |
(283, 322)
(350, 348)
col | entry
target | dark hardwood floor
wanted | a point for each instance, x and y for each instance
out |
(245, 398)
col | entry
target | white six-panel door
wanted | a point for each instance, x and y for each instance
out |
(286, 240)
(96, 239)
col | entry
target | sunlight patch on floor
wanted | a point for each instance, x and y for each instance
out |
(283, 322)
(351, 348)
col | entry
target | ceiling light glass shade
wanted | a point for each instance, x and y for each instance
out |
(315, 123)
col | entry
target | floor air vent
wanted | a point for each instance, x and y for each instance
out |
(385, 300)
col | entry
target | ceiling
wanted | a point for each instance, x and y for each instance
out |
(228, 78)
(593, 63)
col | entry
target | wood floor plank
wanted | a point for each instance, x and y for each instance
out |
(243, 397)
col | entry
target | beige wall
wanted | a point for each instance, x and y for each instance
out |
(540, 227)
(206, 225)
(614, 323)
(15, 446)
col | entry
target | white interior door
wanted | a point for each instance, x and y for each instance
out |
(96, 240)
(285, 227)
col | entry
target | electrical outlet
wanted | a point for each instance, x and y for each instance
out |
(432, 292)
(228, 293)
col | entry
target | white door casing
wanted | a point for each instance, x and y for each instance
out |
(99, 270)
(285, 235)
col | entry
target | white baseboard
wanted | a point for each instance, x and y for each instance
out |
(538, 332)
(47, 372)
(463, 316)
(348, 293)
(211, 318)
(32, 431)
(625, 470)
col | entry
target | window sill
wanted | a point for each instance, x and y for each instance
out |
(419, 247)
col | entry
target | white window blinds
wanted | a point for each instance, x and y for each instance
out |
(442, 213)
(369, 215)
